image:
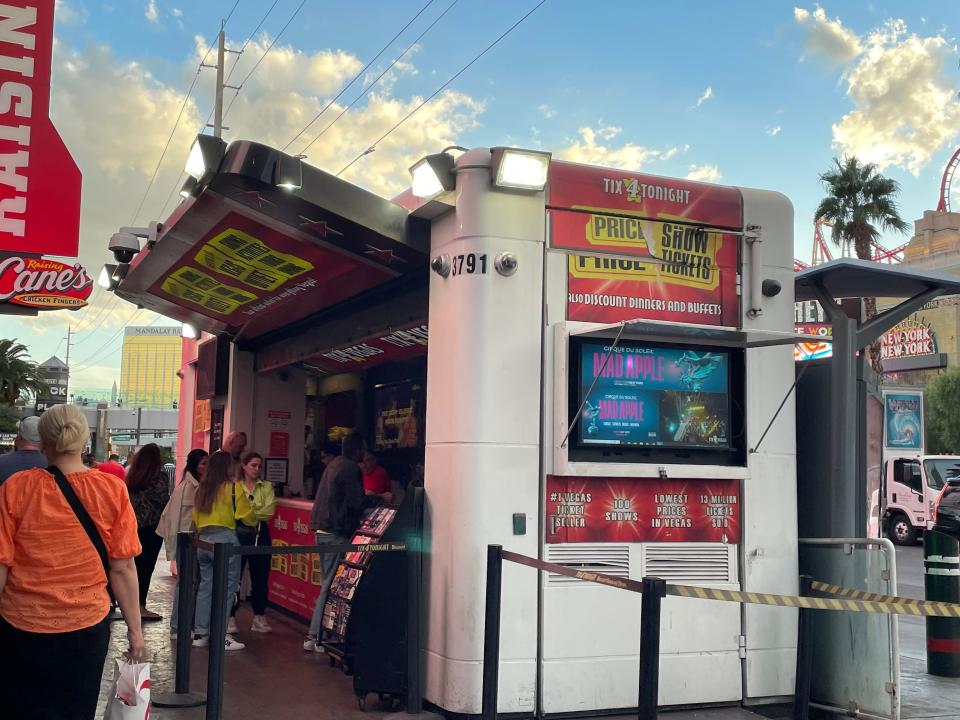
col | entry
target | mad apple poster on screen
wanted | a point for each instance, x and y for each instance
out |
(638, 247)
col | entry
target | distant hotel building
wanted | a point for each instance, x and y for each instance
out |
(148, 368)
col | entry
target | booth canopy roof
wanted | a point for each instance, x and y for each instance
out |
(851, 278)
(247, 258)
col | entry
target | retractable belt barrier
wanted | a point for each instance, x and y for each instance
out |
(850, 600)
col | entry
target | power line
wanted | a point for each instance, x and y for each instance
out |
(104, 309)
(233, 68)
(236, 93)
(440, 89)
(378, 78)
(357, 77)
(97, 354)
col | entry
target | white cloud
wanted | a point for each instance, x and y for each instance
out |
(826, 38)
(707, 95)
(773, 131)
(547, 111)
(905, 103)
(151, 12)
(590, 149)
(67, 14)
(176, 12)
(704, 173)
(116, 117)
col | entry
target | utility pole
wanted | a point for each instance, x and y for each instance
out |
(66, 392)
(217, 125)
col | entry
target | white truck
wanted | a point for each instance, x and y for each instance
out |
(909, 490)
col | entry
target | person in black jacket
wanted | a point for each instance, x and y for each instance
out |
(336, 513)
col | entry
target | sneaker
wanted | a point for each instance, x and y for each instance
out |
(231, 644)
(201, 640)
(310, 644)
(260, 624)
(232, 626)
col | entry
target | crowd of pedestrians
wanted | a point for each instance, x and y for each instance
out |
(79, 541)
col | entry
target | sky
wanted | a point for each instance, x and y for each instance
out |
(756, 94)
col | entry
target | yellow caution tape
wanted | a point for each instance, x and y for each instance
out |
(900, 606)
(851, 600)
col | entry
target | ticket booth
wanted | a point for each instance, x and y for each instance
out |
(577, 363)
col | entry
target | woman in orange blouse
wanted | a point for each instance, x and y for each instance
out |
(54, 606)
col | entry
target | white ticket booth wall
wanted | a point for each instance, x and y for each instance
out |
(661, 475)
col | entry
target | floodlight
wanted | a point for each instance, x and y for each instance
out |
(205, 156)
(288, 173)
(106, 276)
(520, 169)
(189, 332)
(433, 175)
(189, 186)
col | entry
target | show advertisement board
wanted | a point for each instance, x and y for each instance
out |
(294, 582)
(398, 414)
(647, 395)
(40, 185)
(903, 420)
(636, 251)
(604, 509)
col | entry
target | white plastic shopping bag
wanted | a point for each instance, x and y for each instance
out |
(130, 696)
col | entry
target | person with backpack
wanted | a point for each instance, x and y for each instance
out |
(66, 533)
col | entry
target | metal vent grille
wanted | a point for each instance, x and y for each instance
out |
(711, 563)
(608, 559)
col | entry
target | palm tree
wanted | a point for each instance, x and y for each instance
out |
(18, 374)
(859, 201)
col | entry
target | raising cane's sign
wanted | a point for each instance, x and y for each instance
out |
(39, 181)
(43, 284)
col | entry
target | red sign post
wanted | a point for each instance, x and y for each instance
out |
(39, 180)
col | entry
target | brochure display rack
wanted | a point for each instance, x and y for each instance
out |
(365, 619)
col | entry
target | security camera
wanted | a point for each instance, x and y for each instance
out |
(124, 246)
(770, 288)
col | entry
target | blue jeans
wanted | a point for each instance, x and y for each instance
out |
(328, 566)
(215, 534)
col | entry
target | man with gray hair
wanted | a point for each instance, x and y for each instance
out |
(26, 450)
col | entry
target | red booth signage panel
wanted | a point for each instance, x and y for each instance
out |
(294, 582)
(603, 509)
(638, 253)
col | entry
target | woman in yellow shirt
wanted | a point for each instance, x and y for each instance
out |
(218, 505)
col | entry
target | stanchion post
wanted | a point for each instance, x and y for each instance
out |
(491, 633)
(654, 589)
(186, 560)
(801, 692)
(186, 600)
(414, 699)
(218, 630)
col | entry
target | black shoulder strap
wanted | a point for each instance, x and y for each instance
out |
(83, 516)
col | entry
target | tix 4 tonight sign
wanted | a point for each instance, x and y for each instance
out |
(43, 284)
(39, 181)
(639, 250)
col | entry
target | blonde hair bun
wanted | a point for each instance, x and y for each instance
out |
(64, 429)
